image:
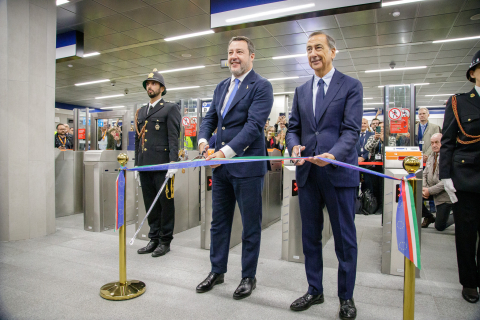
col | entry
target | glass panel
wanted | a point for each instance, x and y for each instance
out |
(189, 124)
(109, 134)
(397, 117)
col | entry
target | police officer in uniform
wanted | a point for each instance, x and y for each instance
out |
(460, 172)
(156, 142)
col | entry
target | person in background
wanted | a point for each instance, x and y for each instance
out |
(270, 141)
(267, 124)
(114, 138)
(364, 135)
(375, 145)
(280, 140)
(71, 131)
(281, 124)
(424, 131)
(375, 122)
(460, 173)
(62, 140)
(433, 187)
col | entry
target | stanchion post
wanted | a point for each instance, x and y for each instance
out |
(411, 164)
(123, 289)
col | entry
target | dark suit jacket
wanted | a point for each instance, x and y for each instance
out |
(359, 146)
(242, 128)
(461, 162)
(161, 146)
(336, 132)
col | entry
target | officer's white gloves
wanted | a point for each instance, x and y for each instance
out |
(450, 189)
(137, 177)
(171, 172)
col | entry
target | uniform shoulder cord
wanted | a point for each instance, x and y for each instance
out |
(171, 188)
(141, 133)
(455, 112)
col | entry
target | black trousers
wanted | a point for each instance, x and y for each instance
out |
(443, 218)
(162, 218)
(466, 213)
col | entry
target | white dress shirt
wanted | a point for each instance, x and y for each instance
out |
(227, 150)
(152, 105)
(327, 78)
(478, 90)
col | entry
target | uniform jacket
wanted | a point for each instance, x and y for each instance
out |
(461, 162)
(431, 129)
(433, 183)
(161, 134)
(242, 127)
(336, 132)
(358, 146)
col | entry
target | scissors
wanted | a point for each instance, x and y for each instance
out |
(299, 154)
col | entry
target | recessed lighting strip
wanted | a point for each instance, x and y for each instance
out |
(182, 69)
(286, 78)
(456, 39)
(288, 92)
(268, 13)
(438, 95)
(290, 56)
(183, 88)
(91, 54)
(396, 69)
(60, 2)
(91, 82)
(114, 107)
(189, 35)
(394, 3)
(372, 103)
(106, 97)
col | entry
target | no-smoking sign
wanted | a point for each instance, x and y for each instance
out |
(194, 120)
(186, 121)
(405, 113)
(394, 114)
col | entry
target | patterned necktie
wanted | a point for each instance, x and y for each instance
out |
(435, 162)
(319, 100)
(230, 99)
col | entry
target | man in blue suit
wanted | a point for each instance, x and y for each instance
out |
(325, 123)
(240, 107)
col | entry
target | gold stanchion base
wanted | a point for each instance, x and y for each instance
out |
(116, 291)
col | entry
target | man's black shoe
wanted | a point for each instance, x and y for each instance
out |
(161, 250)
(212, 279)
(306, 301)
(152, 245)
(470, 294)
(245, 288)
(347, 309)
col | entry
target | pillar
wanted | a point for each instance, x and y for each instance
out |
(27, 112)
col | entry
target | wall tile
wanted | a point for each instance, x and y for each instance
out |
(36, 123)
(50, 197)
(4, 203)
(37, 39)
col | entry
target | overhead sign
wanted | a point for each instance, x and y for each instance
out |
(206, 106)
(69, 45)
(248, 12)
(224, 63)
(186, 121)
(394, 114)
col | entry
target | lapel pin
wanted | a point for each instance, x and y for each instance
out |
(161, 104)
(472, 95)
(247, 86)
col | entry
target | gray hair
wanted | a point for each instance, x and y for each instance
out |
(251, 46)
(436, 135)
(423, 108)
(330, 40)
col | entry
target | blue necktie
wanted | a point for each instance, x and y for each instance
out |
(319, 100)
(230, 99)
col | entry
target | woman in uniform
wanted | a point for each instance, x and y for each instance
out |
(460, 172)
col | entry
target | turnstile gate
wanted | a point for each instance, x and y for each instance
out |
(68, 182)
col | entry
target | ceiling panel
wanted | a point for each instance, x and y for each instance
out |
(179, 9)
(407, 11)
(144, 34)
(365, 30)
(430, 8)
(122, 5)
(435, 22)
(92, 29)
(282, 28)
(356, 18)
(361, 42)
(118, 39)
(119, 22)
(89, 9)
(67, 18)
(147, 16)
(319, 23)
(397, 26)
(404, 37)
(430, 35)
(197, 23)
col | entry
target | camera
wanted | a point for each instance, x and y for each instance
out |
(113, 82)
(126, 91)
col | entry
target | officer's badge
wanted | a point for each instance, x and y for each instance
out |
(150, 75)
(155, 70)
(472, 95)
(157, 127)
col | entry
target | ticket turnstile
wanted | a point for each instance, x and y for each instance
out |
(68, 182)
(292, 248)
(187, 204)
(392, 259)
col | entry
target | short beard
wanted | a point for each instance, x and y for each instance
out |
(153, 95)
(240, 72)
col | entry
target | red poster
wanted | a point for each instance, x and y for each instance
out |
(81, 133)
(399, 126)
(191, 130)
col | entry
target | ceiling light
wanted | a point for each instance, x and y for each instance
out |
(268, 13)
(114, 107)
(369, 108)
(60, 2)
(91, 82)
(288, 92)
(438, 95)
(396, 69)
(394, 3)
(183, 88)
(189, 35)
(421, 84)
(456, 39)
(443, 106)
(91, 54)
(286, 78)
(367, 98)
(372, 103)
(396, 13)
(106, 97)
(182, 69)
(70, 65)
(290, 56)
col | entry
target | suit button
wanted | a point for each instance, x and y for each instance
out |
(145, 139)
(223, 143)
(145, 149)
(463, 161)
(146, 130)
(469, 119)
(223, 128)
(316, 133)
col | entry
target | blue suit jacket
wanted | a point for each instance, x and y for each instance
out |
(358, 146)
(336, 132)
(242, 127)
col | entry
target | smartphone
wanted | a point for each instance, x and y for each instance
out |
(378, 129)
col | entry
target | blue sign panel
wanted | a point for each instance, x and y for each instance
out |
(100, 122)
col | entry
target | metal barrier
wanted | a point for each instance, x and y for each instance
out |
(292, 247)
(68, 182)
(187, 204)
(101, 171)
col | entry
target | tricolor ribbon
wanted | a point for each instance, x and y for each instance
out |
(120, 203)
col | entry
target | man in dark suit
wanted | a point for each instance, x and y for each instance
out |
(360, 146)
(240, 107)
(460, 174)
(325, 122)
(156, 142)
